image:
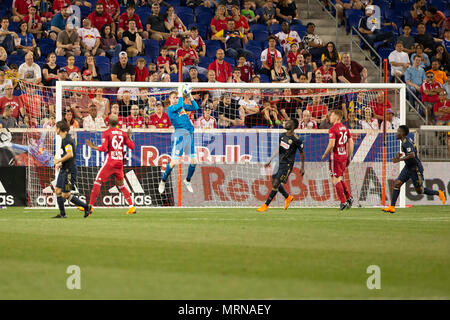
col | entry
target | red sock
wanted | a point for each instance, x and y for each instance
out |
(340, 192)
(346, 190)
(126, 194)
(94, 193)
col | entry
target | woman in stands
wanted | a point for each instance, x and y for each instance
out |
(443, 57)
(417, 12)
(27, 42)
(72, 70)
(108, 42)
(68, 117)
(91, 65)
(172, 20)
(279, 73)
(50, 71)
(286, 10)
(101, 103)
(332, 54)
(219, 22)
(369, 122)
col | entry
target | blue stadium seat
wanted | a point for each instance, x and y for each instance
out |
(174, 77)
(13, 26)
(205, 61)
(187, 18)
(173, 3)
(16, 59)
(211, 47)
(61, 61)
(439, 4)
(85, 11)
(79, 61)
(183, 10)
(101, 60)
(264, 78)
(46, 45)
(254, 43)
(384, 52)
(258, 27)
(230, 61)
(256, 50)
(259, 12)
(275, 28)
(260, 35)
(299, 28)
(204, 13)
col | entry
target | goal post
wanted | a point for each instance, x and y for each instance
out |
(230, 170)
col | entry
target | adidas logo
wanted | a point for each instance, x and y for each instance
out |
(5, 199)
(48, 197)
(117, 199)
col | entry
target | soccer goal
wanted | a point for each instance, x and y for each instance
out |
(232, 149)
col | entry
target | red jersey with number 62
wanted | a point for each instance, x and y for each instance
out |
(113, 141)
(341, 136)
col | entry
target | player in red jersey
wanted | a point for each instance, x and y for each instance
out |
(112, 143)
(341, 145)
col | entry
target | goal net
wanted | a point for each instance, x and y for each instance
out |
(237, 129)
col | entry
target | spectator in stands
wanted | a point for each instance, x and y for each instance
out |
(108, 42)
(230, 113)
(292, 55)
(27, 42)
(392, 122)
(369, 122)
(289, 107)
(197, 41)
(3, 83)
(378, 105)
(439, 75)
(79, 103)
(417, 12)
(446, 86)
(286, 10)
(125, 101)
(269, 13)
(434, 17)
(193, 76)
(140, 71)
(414, 77)
(59, 22)
(430, 91)
(407, 40)
(3, 58)
(20, 9)
(245, 68)
(68, 42)
(70, 119)
(159, 119)
(6, 119)
(155, 24)
(236, 76)
(248, 13)
(72, 70)
(34, 22)
(240, 22)
(121, 122)
(134, 120)
(112, 8)
(173, 42)
(101, 103)
(443, 57)
(229, 4)
(189, 58)
(12, 101)
(222, 69)
(317, 109)
(287, 37)
(30, 71)
(309, 62)
(91, 65)
(307, 122)
(331, 54)
(446, 40)
(425, 61)
(233, 40)
(270, 112)
(164, 62)
(348, 5)
(399, 61)
(352, 122)
(133, 41)
(211, 3)
(279, 74)
(62, 75)
(50, 71)
(7, 37)
(327, 71)
(122, 67)
(349, 71)
(100, 18)
(125, 17)
(442, 110)
(173, 21)
(312, 42)
(90, 39)
(219, 21)
(372, 31)
(93, 121)
(206, 121)
(301, 69)
(269, 55)
(425, 39)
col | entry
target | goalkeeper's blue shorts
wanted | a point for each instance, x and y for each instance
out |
(183, 142)
(66, 180)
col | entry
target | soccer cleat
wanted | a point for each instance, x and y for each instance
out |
(442, 196)
(89, 211)
(390, 209)
(349, 202)
(59, 216)
(80, 208)
(162, 186)
(263, 208)
(343, 206)
(188, 186)
(287, 202)
(131, 210)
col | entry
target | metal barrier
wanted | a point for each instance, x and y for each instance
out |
(434, 143)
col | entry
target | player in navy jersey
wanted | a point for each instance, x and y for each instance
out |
(67, 176)
(413, 170)
(183, 137)
(289, 144)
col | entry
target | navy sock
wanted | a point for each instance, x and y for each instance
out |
(78, 202)
(395, 195)
(283, 191)
(271, 196)
(60, 201)
(167, 173)
(430, 192)
(191, 171)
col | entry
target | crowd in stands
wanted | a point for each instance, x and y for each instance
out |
(208, 41)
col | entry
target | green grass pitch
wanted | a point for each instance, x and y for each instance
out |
(226, 254)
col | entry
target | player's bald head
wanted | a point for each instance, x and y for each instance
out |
(113, 120)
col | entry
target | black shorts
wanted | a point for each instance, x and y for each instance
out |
(284, 170)
(66, 180)
(416, 175)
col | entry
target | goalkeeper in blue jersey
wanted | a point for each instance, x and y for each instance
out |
(183, 137)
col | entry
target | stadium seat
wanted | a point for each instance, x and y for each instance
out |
(16, 59)
(260, 35)
(275, 28)
(46, 45)
(79, 61)
(230, 61)
(182, 11)
(264, 78)
(174, 77)
(258, 27)
(173, 3)
(384, 52)
(211, 47)
(13, 26)
(187, 18)
(256, 50)
(61, 61)
(299, 28)
(439, 4)
(205, 61)
(204, 13)
(84, 11)
(101, 60)
(254, 43)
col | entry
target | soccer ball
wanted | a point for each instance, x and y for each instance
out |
(186, 89)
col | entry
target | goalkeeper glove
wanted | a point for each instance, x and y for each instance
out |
(180, 91)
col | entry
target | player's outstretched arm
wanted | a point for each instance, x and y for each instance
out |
(329, 148)
(91, 145)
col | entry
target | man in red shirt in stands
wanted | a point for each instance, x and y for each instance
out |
(134, 120)
(377, 106)
(100, 17)
(9, 100)
(246, 69)
(348, 71)
(221, 67)
(430, 90)
(123, 22)
(20, 9)
(442, 109)
(189, 58)
(121, 121)
(159, 119)
(111, 7)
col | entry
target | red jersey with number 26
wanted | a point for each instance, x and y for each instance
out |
(341, 136)
(113, 141)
